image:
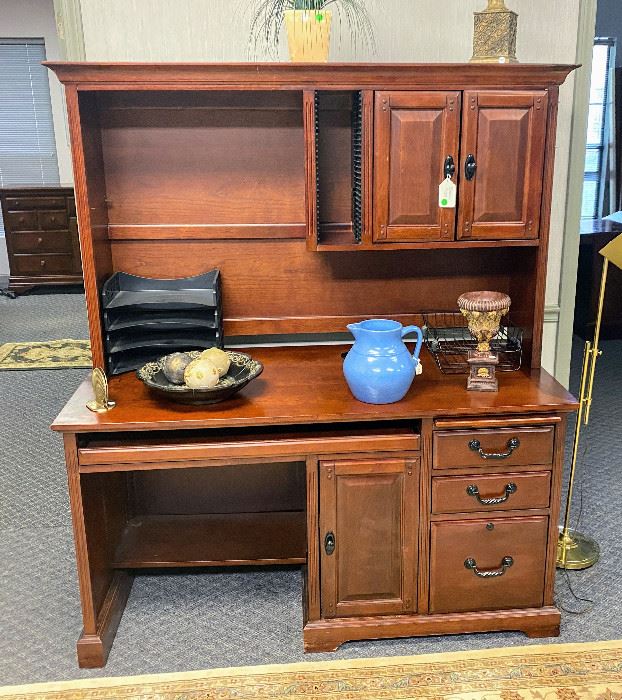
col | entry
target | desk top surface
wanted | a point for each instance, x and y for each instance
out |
(303, 385)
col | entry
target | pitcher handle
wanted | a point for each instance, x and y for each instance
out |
(417, 330)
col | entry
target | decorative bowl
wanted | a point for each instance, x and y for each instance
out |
(243, 370)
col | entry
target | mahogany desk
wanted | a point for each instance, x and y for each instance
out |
(371, 500)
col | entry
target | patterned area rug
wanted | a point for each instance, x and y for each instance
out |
(550, 672)
(52, 354)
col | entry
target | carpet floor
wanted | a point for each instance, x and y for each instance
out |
(555, 672)
(184, 622)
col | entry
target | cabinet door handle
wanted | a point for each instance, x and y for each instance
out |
(470, 166)
(329, 543)
(43, 263)
(449, 168)
(476, 446)
(471, 564)
(510, 488)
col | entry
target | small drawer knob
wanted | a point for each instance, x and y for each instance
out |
(39, 240)
(43, 263)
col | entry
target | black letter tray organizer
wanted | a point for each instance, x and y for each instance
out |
(147, 318)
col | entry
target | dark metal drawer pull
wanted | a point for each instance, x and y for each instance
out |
(510, 488)
(476, 446)
(506, 562)
(329, 543)
(470, 166)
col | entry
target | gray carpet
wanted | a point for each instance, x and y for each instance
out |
(188, 622)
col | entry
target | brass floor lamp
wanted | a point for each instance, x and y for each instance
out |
(574, 549)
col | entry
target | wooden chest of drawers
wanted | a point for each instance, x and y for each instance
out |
(41, 231)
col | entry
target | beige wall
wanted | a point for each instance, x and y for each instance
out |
(35, 19)
(406, 30)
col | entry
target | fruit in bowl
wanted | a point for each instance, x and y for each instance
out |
(242, 369)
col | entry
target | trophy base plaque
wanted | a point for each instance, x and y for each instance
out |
(482, 375)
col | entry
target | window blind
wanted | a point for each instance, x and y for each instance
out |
(27, 145)
(598, 130)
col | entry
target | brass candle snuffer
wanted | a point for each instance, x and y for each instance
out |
(574, 549)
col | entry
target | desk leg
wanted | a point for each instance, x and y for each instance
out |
(99, 513)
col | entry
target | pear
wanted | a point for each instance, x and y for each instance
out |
(219, 358)
(174, 367)
(201, 374)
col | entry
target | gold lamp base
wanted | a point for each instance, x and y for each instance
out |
(576, 551)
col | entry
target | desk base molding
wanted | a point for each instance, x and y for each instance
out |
(329, 635)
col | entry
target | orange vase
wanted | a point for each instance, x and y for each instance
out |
(308, 35)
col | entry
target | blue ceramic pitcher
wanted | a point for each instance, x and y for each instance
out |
(379, 368)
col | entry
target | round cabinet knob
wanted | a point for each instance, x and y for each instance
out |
(39, 241)
(53, 219)
(490, 526)
(43, 263)
(21, 219)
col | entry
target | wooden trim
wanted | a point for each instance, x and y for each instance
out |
(311, 208)
(93, 649)
(556, 495)
(425, 506)
(252, 448)
(505, 422)
(303, 324)
(312, 599)
(341, 76)
(208, 232)
(368, 168)
(89, 614)
(545, 225)
(329, 635)
(85, 227)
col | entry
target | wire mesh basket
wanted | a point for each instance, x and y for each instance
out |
(448, 339)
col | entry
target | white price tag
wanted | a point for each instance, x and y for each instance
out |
(447, 194)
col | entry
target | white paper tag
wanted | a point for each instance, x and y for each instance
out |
(419, 369)
(447, 194)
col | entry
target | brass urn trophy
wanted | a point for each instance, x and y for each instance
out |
(494, 36)
(483, 311)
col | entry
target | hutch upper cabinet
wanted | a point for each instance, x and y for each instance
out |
(490, 143)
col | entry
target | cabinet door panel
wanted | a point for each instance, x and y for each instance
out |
(370, 509)
(414, 134)
(505, 132)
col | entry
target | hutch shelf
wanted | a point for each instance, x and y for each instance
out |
(314, 190)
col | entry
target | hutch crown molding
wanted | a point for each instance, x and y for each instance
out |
(314, 190)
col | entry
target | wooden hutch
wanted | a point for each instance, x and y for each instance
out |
(314, 190)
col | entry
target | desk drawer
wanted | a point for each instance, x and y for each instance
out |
(22, 220)
(35, 202)
(504, 447)
(44, 265)
(490, 492)
(491, 564)
(52, 220)
(42, 242)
